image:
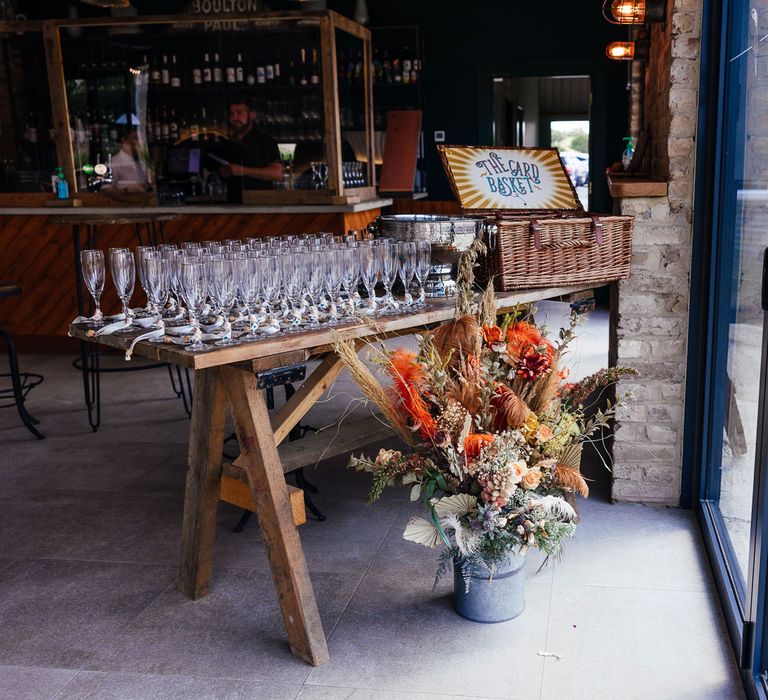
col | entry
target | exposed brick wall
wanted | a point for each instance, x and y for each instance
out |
(652, 306)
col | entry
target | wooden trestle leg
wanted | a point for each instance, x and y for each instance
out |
(260, 458)
(206, 440)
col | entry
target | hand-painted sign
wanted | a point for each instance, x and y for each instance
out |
(508, 178)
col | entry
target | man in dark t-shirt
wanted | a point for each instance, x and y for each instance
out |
(253, 157)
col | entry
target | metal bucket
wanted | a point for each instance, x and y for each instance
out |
(492, 596)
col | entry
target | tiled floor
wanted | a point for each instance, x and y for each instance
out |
(90, 523)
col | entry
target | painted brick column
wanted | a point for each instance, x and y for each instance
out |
(652, 306)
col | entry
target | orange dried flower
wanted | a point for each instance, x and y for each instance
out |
(409, 378)
(474, 444)
(521, 336)
(492, 334)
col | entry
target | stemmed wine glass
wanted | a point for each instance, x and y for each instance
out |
(314, 281)
(157, 285)
(92, 264)
(369, 271)
(389, 264)
(350, 273)
(141, 253)
(406, 254)
(247, 276)
(334, 270)
(194, 287)
(423, 259)
(123, 269)
(223, 287)
(296, 273)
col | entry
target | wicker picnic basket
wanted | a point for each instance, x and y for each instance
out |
(542, 247)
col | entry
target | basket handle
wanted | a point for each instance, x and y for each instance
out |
(560, 245)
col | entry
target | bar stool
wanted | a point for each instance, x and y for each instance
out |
(21, 382)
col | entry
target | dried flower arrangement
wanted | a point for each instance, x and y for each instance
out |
(495, 430)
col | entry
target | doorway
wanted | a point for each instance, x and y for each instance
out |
(544, 112)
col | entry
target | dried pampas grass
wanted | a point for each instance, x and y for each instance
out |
(371, 387)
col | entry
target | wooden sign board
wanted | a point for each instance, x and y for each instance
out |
(487, 177)
(401, 151)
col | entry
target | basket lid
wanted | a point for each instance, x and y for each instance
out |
(493, 178)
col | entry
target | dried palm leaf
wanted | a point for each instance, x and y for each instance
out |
(457, 339)
(571, 456)
(509, 410)
(570, 478)
(422, 532)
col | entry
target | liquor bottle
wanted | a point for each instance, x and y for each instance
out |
(397, 75)
(154, 72)
(376, 67)
(197, 74)
(165, 77)
(229, 72)
(303, 78)
(173, 127)
(386, 69)
(194, 127)
(157, 128)
(292, 74)
(314, 77)
(415, 67)
(407, 65)
(261, 71)
(207, 73)
(342, 68)
(359, 68)
(278, 75)
(269, 72)
(239, 70)
(215, 129)
(350, 71)
(165, 129)
(183, 128)
(250, 74)
(217, 75)
(204, 124)
(175, 73)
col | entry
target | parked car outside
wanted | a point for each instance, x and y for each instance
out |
(577, 167)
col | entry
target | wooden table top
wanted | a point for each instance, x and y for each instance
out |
(289, 348)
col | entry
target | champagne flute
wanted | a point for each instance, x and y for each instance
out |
(423, 259)
(387, 251)
(158, 287)
(194, 287)
(223, 287)
(92, 264)
(123, 269)
(406, 253)
(369, 271)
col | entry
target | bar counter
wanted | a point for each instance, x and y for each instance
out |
(36, 251)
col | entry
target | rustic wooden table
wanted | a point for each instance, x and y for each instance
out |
(230, 376)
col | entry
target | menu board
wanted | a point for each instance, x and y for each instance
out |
(485, 177)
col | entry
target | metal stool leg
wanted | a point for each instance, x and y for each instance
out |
(18, 394)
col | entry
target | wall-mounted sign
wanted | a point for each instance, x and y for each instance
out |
(508, 178)
(224, 7)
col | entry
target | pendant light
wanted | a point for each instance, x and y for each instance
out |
(621, 50)
(634, 11)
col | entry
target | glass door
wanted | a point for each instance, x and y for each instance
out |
(733, 501)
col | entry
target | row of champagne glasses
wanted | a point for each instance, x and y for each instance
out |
(275, 284)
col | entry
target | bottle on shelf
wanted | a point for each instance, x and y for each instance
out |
(406, 79)
(359, 68)
(376, 72)
(157, 128)
(415, 67)
(165, 129)
(292, 79)
(397, 75)
(386, 69)
(269, 72)
(173, 127)
(112, 128)
(197, 73)
(250, 74)
(194, 127)
(303, 77)
(207, 71)
(175, 73)
(314, 76)
(154, 72)
(229, 73)
(261, 71)
(217, 74)
(165, 76)
(239, 70)
(278, 76)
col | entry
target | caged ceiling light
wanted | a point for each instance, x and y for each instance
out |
(634, 11)
(621, 50)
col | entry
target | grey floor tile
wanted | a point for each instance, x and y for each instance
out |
(91, 685)
(235, 632)
(400, 635)
(625, 643)
(61, 613)
(318, 692)
(31, 683)
(634, 546)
